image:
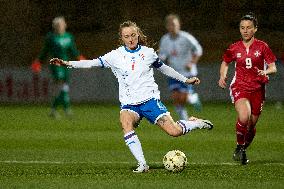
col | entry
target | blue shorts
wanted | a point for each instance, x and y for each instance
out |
(175, 85)
(152, 110)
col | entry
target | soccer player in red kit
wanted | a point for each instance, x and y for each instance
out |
(254, 61)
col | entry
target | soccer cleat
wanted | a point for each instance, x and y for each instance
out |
(243, 156)
(206, 124)
(142, 168)
(237, 153)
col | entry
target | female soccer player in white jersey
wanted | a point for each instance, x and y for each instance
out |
(181, 51)
(139, 95)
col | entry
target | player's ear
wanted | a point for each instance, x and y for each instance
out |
(255, 29)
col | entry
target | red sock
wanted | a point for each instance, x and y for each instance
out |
(241, 131)
(249, 136)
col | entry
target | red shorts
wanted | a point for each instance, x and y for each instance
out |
(256, 98)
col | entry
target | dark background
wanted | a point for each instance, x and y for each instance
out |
(95, 24)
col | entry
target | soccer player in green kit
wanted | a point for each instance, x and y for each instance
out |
(58, 43)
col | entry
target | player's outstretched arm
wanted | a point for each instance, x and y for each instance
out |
(168, 71)
(76, 64)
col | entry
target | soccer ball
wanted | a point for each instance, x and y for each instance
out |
(175, 161)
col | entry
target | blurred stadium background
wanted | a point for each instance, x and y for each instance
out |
(94, 24)
(87, 151)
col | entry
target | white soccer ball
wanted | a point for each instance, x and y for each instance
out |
(175, 161)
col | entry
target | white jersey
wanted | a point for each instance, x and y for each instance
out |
(133, 70)
(178, 52)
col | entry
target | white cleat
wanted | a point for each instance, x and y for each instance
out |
(206, 124)
(142, 168)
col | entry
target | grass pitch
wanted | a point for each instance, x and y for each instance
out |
(88, 151)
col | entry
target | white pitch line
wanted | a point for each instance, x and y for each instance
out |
(121, 162)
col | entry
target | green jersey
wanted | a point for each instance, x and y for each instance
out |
(59, 46)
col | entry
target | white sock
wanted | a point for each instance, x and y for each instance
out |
(182, 112)
(133, 143)
(189, 125)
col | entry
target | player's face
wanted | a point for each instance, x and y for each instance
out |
(60, 27)
(247, 30)
(173, 26)
(130, 37)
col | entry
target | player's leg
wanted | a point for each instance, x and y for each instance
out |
(179, 101)
(182, 127)
(56, 98)
(65, 98)
(156, 112)
(62, 98)
(193, 98)
(251, 131)
(243, 109)
(128, 119)
(179, 95)
(256, 101)
(65, 92)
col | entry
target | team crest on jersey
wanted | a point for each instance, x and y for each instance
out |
(257, 53)
(64, 41)
(237, 94)
(239, 55)
(142, 56)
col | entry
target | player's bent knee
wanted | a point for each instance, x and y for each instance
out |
(244, 118)
(127, 125)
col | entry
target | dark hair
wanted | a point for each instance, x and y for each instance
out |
(250, 16)
(142, 38)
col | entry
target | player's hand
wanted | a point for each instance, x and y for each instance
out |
(193, 81)
(260, 72)
(58, 62)
(262, 77)
(36, 66)
(222, 82)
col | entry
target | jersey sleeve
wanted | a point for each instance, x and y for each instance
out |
(85, 63)
(196, 47)
(107, 60)
(104, 61)
(170, 72)
(228, 56)
(269, 57)
(157, 62)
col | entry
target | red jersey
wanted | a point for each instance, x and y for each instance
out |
(246, 61)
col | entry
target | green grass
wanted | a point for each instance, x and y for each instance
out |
(88, 151)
